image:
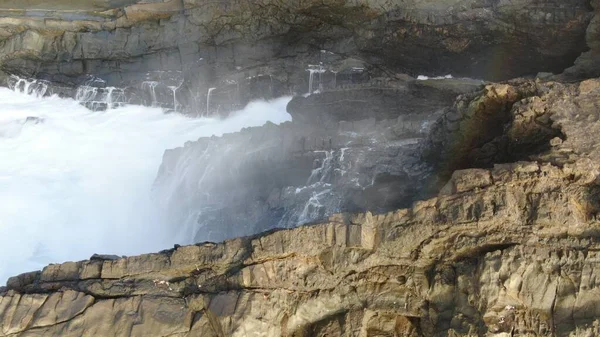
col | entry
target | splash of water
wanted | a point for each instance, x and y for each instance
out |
(74, 182)
(37, 88)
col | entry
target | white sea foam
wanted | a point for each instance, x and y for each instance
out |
(424, 78)
(75, 182)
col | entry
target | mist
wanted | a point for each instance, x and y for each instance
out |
(74, 182)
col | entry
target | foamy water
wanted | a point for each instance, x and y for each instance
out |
(77, 182)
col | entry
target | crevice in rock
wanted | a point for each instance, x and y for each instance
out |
(479, 251)
(504, 123)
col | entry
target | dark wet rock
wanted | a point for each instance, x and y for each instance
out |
(587, 64)
(266, 49)
(380, 99)
(34, 120)
(282, 176)
(103, 257)
(333, 157)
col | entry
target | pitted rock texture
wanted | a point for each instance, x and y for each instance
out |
(509, 250)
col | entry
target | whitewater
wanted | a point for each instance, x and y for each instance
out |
(74, 182)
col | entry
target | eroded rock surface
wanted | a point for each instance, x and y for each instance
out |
(264, 49)
(508, 250)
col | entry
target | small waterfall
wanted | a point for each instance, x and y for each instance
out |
(312, 70)
(95, 98)
(313, 209)
(114, 97)
(37, 88)
(151, 87)
(210, 90)
(321, 196)
(86, 93)
(162, 87)
(322, 173)
(94, 95)
(334, 79)
(174, 90)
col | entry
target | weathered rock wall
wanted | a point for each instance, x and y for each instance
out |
(217, 43)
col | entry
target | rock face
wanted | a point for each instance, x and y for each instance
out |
(508, 250)
(334, 157)
(587, 64)
(264, 49)
(504, 241)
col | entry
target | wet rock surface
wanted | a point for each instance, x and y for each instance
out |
(333, 157)
(508, 249)
(263, 49)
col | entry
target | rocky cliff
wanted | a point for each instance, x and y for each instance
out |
(503, 250)
(253, 49)
(444, 207)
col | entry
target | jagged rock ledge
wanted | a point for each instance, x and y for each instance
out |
(511, 250)
(264, 49)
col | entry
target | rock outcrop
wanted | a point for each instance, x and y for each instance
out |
(343, 152)
(264, 49)
(507, 249)
(587, 64)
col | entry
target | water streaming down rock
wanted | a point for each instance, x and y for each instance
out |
(151, 87)
(210, 90)
(284, 176)
(312, 70)
(335, 157)
(161, 89)
(76, 181)
(34, 87)
(174, 90)
(100, 98)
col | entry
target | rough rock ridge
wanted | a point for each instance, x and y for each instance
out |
(508, 250)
